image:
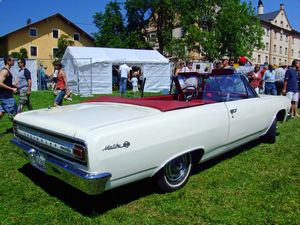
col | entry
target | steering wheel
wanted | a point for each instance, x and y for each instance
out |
(189, 93)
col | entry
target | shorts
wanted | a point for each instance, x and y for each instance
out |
(23, 98)
(293, 96)
(134, 88)
(60, 97)
(9, 106)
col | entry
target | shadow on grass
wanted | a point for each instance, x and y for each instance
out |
(88, 205)
(7, 131)
(227, 155)
(92, 205)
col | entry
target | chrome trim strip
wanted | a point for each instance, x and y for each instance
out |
(87, 182)
(119, 178)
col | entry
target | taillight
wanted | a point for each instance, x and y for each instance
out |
(79, 151)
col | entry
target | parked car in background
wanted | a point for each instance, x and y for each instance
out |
(107, 142)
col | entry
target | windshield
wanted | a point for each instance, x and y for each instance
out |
(216, 88)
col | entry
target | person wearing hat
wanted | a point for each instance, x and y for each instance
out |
(188, 68)
(225, 63)
(245, 66)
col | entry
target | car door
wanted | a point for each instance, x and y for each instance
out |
(247, 113)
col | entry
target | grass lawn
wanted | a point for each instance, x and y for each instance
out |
(255, 184)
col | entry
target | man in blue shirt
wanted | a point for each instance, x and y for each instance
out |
(290, 87)
(269, 80)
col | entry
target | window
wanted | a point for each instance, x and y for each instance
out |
(237, 88)
(293, 40)
(280, 50)
(274, 60)
(281, 36)
(275, 35)
(267, 59)
(299, 54)
(285, 51)
(33, 50)
(267, 46)
(267, 32)
(259, 58)
(152, 37)
(227, 88)
(76, 37)
(292, 52)
(280, 61)
(55, 33)
(274, 48)
(285, 62)
(287, 38)
(281, 23)
(54, 52)
(32, 32)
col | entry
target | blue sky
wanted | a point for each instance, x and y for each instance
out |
(14, 13)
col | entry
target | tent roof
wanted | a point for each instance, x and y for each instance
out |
(113, 55)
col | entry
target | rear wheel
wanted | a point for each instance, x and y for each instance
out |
(175, 173)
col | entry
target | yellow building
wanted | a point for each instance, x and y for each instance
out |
(40, 38)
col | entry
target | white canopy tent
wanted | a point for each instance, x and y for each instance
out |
(89, 69)
(30, 65)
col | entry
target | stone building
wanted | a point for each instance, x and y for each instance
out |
(282, 42)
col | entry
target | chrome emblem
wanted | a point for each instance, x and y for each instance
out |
(126, 144)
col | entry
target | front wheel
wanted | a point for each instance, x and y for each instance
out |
(175, 173)
(270, 136)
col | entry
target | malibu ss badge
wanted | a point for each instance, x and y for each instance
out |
(126, 144)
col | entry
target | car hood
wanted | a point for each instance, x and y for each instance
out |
(83, 117)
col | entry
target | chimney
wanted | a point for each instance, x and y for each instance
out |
(281, 6)
(28, 22)
(260, 8)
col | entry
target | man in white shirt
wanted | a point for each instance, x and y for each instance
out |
(124, 71)
(279, 78)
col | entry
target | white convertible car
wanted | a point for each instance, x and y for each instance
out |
(107, 142)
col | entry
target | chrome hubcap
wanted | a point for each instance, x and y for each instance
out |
(177, 170)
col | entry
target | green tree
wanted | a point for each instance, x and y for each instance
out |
(24, 53)
(21, 54)
(136, 28)
(63, 42)
(215, 28)
(159, 14)
(111, 27)
(162, 17)
(240, 29)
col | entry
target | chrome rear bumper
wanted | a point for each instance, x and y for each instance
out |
(89, 183)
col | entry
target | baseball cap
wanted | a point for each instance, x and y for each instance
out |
(243, 59)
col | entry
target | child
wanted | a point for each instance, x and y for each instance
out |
(134, 82)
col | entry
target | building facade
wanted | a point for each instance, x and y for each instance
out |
(40, 39)
(282, 42)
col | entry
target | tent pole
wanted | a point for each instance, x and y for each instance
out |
(91, 76)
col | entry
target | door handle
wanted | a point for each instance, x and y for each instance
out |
(232, 111)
